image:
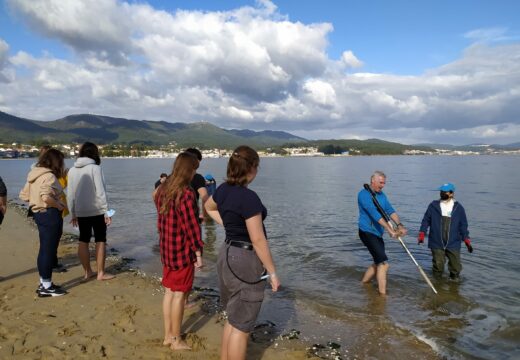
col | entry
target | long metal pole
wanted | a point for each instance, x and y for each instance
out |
(391, 223)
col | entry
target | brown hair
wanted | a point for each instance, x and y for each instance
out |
(172, 189)
(90, 150)
(240, 164)
(53, 159)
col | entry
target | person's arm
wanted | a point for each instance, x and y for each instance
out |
(190, 226)
(48, 192)
(71, 199)
(389, 229)
(203, 195)
(3, 197)
(25, 193)
(101, 193)
(425, 224)
(52, 202)
(211, 209)
(400, 229)
(463, 227)
(255, 230)
(3, 204)
(366, 202)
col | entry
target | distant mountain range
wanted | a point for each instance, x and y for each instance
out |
(106, 129)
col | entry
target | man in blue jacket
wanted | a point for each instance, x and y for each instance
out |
(372, 226)
(448, 225)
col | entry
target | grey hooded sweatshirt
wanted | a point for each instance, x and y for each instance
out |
(86, 190)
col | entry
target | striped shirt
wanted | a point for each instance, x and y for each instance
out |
(179, 231)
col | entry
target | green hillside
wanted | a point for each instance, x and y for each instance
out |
(106, 130)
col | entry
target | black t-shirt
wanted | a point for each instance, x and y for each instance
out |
(198, 182)
(235, 205)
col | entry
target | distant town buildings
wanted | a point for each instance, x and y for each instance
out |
(15, 150)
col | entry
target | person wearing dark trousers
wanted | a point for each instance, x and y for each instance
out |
(448, 227)
(43, 191)
(198, 183)
(372, 225)
(3, 200)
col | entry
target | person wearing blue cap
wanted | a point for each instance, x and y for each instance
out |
(211, 184)
(448, 225)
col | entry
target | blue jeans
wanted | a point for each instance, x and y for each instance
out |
(50, 228)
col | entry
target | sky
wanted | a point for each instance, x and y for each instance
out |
(413, 72)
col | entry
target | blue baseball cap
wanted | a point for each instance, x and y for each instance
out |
(447, 187)
(208, 177)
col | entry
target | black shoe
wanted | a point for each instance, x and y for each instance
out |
(59, 268)
(41, 287)
(53, 290)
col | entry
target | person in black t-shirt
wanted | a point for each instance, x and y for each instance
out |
(198, 183)
(245, 257)
(162, 179)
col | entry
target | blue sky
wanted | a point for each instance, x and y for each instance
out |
(408, 71)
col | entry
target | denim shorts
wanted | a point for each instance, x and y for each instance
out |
(375, 245)
(242, 301)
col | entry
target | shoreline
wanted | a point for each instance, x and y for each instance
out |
(119, 318)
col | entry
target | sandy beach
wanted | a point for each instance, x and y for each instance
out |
(120, 318)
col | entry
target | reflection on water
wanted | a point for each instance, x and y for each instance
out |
(312, 229)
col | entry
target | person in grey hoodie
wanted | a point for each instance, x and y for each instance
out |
(87, 202)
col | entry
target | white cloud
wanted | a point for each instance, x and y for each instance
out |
(251, 67)
(236, 113)
(320, 92)
(350, 60)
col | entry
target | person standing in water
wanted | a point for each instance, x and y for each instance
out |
(372, 226)
(446, 219)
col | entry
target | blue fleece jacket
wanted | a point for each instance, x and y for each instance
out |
(458, 228)
(368, 214)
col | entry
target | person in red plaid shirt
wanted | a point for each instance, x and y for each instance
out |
(180, 244)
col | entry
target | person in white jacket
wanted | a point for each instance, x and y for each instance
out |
(87, 203)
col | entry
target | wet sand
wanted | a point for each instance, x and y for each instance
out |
(120, 318)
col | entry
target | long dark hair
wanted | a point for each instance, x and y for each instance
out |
(54, 160)
(240, 164)
(91, 151)
(172, 189)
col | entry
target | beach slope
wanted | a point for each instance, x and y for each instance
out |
(120, 318)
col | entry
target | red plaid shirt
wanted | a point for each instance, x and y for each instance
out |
(179, 231)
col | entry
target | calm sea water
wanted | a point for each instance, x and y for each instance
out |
(312, 228)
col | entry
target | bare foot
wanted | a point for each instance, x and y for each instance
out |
(89, 276)
(105, 276)
(167, 341)
(190, 304)
(179, 345)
